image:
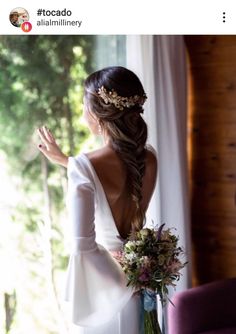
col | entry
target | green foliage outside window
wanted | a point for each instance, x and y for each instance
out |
(41, 83)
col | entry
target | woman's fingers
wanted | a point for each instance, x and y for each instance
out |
(42, 136)
(50, 148)
(42, 148)
(48, 135)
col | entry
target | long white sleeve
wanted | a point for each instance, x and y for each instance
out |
(96, 285)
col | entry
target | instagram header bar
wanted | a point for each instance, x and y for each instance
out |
(123, 17)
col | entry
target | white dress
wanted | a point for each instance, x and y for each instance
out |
(99, 300)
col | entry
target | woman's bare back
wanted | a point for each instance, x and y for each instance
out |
(113, 177)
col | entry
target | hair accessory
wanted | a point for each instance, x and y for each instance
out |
(120, 102)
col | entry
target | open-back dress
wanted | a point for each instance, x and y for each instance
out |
(96, 287)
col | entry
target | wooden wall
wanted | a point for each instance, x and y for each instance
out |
(212, 155)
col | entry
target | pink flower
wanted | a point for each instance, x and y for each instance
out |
(174, 267)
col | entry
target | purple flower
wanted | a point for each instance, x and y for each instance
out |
(144, 275)
(159, 232)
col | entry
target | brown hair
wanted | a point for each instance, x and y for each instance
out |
(126, 128)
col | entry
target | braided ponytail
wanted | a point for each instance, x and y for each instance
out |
(126, 128)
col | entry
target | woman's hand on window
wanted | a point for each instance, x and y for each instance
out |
(50, 148)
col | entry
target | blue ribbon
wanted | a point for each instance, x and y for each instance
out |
(150, 301)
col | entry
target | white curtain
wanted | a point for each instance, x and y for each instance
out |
(160, 63)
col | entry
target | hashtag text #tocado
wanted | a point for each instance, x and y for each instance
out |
(46, 12)
(60, 22)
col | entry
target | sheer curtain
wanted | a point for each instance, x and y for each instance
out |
(160, 63)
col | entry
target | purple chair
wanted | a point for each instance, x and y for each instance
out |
(207, 309)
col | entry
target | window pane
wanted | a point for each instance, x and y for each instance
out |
(109, 50)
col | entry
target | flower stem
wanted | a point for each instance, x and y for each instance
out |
(151, 325)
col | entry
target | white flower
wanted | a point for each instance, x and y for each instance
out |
(129, 244)
(138, 243)
(131, 256)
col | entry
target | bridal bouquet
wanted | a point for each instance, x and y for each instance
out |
(151, 259)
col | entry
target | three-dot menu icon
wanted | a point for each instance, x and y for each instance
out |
(223, 17)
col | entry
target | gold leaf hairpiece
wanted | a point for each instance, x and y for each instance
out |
(120, 102)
